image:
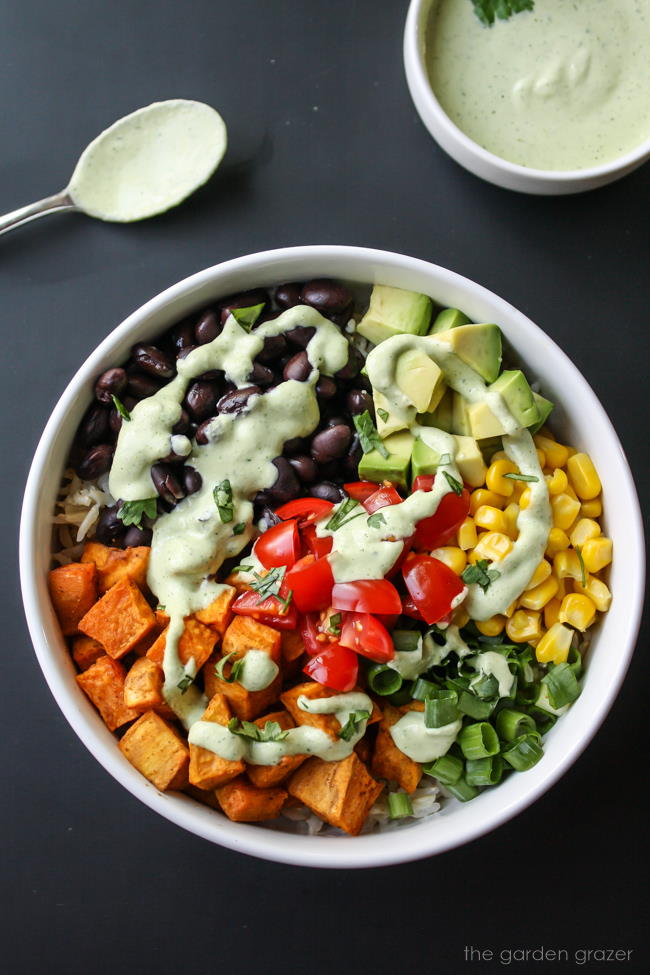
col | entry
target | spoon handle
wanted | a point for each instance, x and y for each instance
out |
(58, 203)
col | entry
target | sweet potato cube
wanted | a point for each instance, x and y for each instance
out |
(208, 770)
(291, 649)
(218, 614)
(243, 802)
(205, 798)
(341, 793)
(114, 564)
(388, 762)
(143, 687)
(326, 722)
(246, 634)
(157, 751)
(197, 641)
(265, 776)
(247, 705)
(238, 584)
(85, 651)
(73, 590)
(120, 619)
(103, 682)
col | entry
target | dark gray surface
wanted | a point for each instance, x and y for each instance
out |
(325, 147)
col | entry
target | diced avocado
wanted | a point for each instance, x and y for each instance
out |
(513, 387)
(469, 461)
(489, 446)
(479, 346)
(436, 396)
(459, 416)
(418, 377)
(544, 408)
(424, 459)
(449, 318)
(393, 311)
(442, 415)
(395, 467)
(387, 422)
(482, 421)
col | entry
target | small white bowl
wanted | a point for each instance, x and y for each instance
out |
(475, 158)
(585, 425)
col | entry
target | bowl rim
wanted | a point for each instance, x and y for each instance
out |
(406, 844)
(427, 104)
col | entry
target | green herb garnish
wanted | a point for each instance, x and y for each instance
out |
(184, 683)
(455, 485)
(246, 317)
(334, 623)
(480, 574)
(351, 726)
(368, 436)
(374, 521)
(222, 495)
(269, 585)
(241, 568)
(246, 729)
(239, 529)
(487, 10)
(444, 459)
(121, 409)
(583, 571)
(521, 477)
(383, 415)
(342, 515)
(235, 670)
(132, 512)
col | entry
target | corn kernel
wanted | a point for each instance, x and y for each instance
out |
(555, 645)
(499, 455)
(597, 553)
(454, 557)
(583, 477)
(511, 513)
(491, 518)
(592, 509)
(557, 483)
(524, 500)
(583, 530)
(552, 612)
(540, 575)
(523, 626)
(578, 611)
(460, 617)
(538, 597)
(565, 511)
(481, 496)
(491, 627)
(466, 534)
(566, 565)
(557, 542)
(597, 592)
(495, 480)
(509, 611)
(492, 546)
(562, 589)
(571, 493)
(518, 490)
(556, 454)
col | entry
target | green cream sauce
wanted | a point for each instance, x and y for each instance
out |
(490, 663)
(420, 743)
(258, 671)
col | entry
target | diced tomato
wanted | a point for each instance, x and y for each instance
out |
(309, 632)
(311, 581)
(410, 609)
(424, 482)
(439, 528)
(335, 666)
(432, 586)
(271, 610)
(381, 498)
(305, 510)
(280, 545)
(320, 547)
(367, 636)
(360, 490)
(388, 619)
(366, 596)
(408, 545)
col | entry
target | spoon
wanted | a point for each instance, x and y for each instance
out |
(144, 164)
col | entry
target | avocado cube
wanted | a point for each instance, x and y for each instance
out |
(449, 318)
(482, 422)
(544, 408)
(441, 417)
(469, 461)
(459, 416)
(395, 468)
(419, 378)
(517, 395)
(424, 459)
(387, 422)
(489, 446)
(393, 311)
(478, 346)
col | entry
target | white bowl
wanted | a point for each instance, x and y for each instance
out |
(475, 158)
(587, 425)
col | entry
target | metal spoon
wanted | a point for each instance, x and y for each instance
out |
(144, 164)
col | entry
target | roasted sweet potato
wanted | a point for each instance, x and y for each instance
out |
(388, 762)
(120, 619)
(143, 687)
(341, 793)
(291, 649)
(326, 722)
(218, 614)
(243, 802)
(157, 751)
(73, 590)
(85, 651)
(247, 705)
(197, 641)
(114, 564)
(208, 770)
(246, 634)
(265, 776)
(103, 682)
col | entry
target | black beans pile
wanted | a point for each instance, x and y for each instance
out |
(315, 465)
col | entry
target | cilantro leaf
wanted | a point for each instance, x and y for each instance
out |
(368, 436)
(239, 529)
(334, 623)
(486, 10)
(521, 477)
(343, 514)
(383, 415)
(222, 495)
(351, 726)
(246, 729)
(374, 521)
(246, 317)
(132, 512)
(121, 409)
(583, 571)
(456, 486)
(184, 683)
(235, 670)
(480, 574)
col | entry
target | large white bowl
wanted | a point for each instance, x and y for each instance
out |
(586, 425)
(494, 169)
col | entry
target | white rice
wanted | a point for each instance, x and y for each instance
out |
(77, 509)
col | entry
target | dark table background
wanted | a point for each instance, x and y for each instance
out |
(325, 147)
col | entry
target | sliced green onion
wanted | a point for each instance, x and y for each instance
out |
(484, 771)
(422, 689)
(561, 684)
(471, 705)
(406, 641)
(525, 752)
(544, 720)
(399, 805)
(403, 696)
(478, 740)
(384, 680)
(440, 709)
(512, 724)
(486, 687)
(462, 790)
(447, 770)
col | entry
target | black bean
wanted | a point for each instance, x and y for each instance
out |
(200, 400)
(288, 295)
(237, 399)
(95, 462)
(182, 336)
(110, 529)
(94, 425)
(137, 536)
(183, 354)
(275, 346)
(352, 458)
(304, 467)
(217, 376)
(141, 386)
(153, 361)
(295, 446)
(340, 318)
(207, 328)
(192, 480)
(300, 335)
(166, 483)
(182, 425)
(353, 366)
(327, 491)
(334, 420)
(286, 486)
(326, 388)
(261, 375)
(111, 383)
(331, 472)
(201, 435)
(298, 367)
(331, 443)
(326, 295)
(358, 401)
(247, 299)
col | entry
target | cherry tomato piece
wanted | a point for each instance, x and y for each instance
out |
(423, 482)
(410, 609)
(366, 596)
(309, 632)
(440, 527)
(367, 636)
(432, 586)
(304, 509)
(311, 581)
(319, 547)
(271, 610)
(408, 545)
(360, 490)
(336, 667)
(381, 498)
(279, 545)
